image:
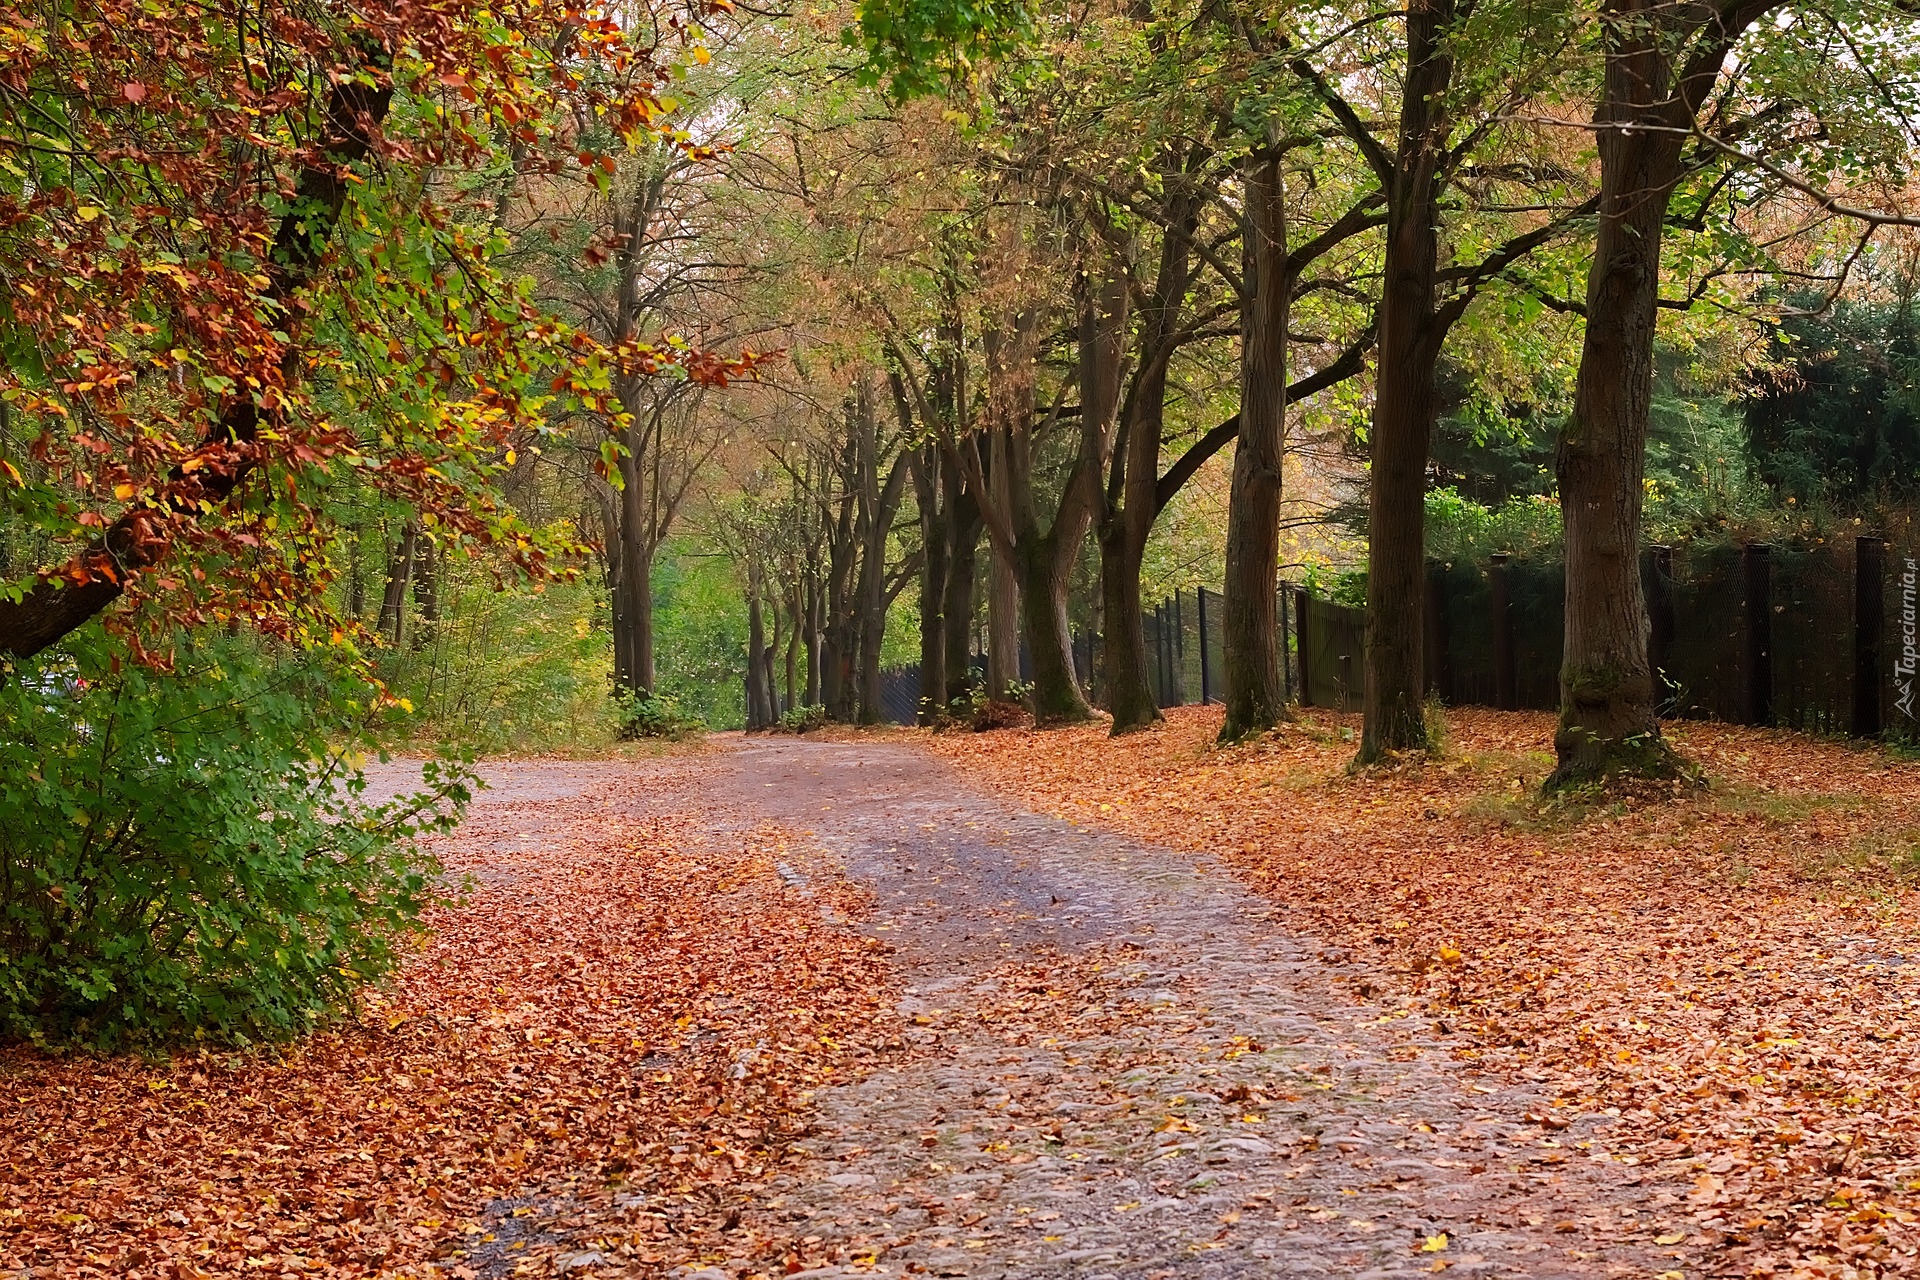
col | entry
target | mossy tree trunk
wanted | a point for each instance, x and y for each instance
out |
(1662, 62)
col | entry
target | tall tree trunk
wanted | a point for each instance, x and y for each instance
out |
(393, 602)
(935, 518)
(1123, 548)
(1250, 666)
(836, 639)
(1123, 653)
(1133, 497)
(775, 639)
(796, 626)
(873, 588)
(1003, 586)
(1405, 397)
(1608, 695)
(356, 575)
(757, 717)
(426, 588)
(643, 620)
(633, 614)
(1046, 560)
(964, 529)
(1043, 580)
(770, 695)
(815, 638)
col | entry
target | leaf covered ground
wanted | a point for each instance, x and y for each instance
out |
(628, 1003)
(1734, 971)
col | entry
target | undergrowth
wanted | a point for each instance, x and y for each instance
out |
(191, 855)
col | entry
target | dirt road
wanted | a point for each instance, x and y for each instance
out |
(1125, 1066)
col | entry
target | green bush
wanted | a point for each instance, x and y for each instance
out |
(184, 857)
(655, 715)
(803, 719)
(1462, 530)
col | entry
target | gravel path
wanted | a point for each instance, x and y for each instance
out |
(1126, 1066)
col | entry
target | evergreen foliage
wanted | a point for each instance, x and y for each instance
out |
(1839, 421)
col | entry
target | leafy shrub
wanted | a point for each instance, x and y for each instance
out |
(983, 714)
(655, 715)
(182, 856)
(1462, 530)
(802, 719)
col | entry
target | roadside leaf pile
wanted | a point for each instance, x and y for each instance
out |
(1731, 972)
(626, 1003)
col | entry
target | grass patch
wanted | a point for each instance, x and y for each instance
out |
(1782, 807)
(1877, 858)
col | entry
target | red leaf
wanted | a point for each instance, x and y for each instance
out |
(134, 91)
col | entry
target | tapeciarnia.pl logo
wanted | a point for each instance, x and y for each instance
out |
(1909, 659)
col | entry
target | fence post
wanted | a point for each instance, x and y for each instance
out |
(1206, 674)
(1869, 615)
(1660, 626)
(1167, 642)
(1506, 694)
(1439, 659)
(1179, 654)
(1284, 611)
(1757, 570)
(1301, 603)
(1160, 649)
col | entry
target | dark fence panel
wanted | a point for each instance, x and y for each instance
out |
(1537, 613)
(900, 694)
(1812, 642)
(1833, 647)
(1336, 643)
(1704, 660)
(1467, 592)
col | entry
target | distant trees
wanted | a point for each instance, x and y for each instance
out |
(1837, 420)
(1457, 141)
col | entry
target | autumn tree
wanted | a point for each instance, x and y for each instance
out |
(1707, 98)
(204, 336)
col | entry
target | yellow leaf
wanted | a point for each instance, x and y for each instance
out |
(14, 474)
(123, 491)
(701, 56)
(1448, 955)
(88, 212)
(1434, 1244)
(1672, 1237)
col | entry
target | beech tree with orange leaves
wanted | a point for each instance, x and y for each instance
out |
(246, 256)
(251, 271)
